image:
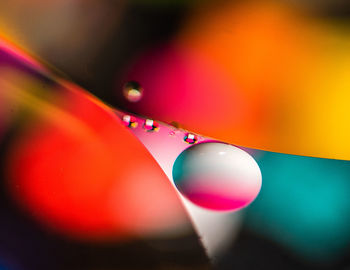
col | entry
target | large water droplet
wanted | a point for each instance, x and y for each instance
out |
(217, 176)
(133, 91)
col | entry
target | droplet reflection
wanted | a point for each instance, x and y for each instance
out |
(129, 121)
(133, 91)
(190, 138)
(151, 125)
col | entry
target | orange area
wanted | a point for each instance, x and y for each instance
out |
(255, 74)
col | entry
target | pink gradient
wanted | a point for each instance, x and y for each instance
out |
(214, 201)
(218, 192)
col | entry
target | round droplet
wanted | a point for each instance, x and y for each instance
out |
(217, 176)
(151, 125)
(190, 138)
(129, 121)
(132, 91)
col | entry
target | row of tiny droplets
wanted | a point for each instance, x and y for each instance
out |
(152, 126)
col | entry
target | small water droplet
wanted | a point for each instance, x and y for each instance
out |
(130, 121)
(133, 91)
(151, 125)
(190, 138)
(172, 133)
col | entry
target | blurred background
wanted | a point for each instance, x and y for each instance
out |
(290, 56)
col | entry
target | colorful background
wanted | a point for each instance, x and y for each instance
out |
(270, 76)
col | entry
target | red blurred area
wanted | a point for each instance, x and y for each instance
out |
(74, 167)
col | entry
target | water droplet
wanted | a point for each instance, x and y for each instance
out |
(190, 138)
(172, 133)
(132, 91)
(217, 176)
(151, 125)
(130, 121)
